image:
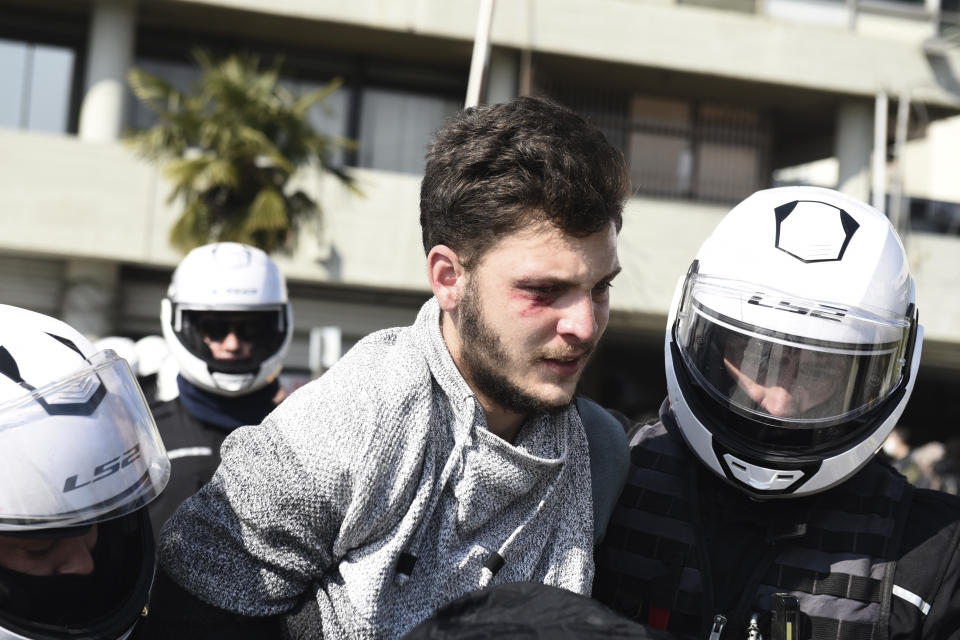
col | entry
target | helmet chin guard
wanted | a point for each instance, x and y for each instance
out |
(232, 383)
(793, 344)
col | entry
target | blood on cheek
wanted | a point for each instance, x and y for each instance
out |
(527, 304)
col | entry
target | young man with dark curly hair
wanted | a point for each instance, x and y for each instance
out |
(442, 457)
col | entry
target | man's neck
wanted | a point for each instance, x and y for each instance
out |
(500, 422)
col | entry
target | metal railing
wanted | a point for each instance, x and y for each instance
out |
(678, 148)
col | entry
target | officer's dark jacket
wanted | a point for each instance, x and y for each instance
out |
(873, 558)
(194, 450)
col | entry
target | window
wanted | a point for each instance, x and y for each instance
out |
(329, 117)
(180, 75)
(661, 147)
(389, 109)
(36, 81)
(730, 148)
(950, 20)
(934, 216)
(396, 125)
(680, 148)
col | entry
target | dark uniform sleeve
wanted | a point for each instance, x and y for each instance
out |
(929, 569)
(194, 450)
(176, 614)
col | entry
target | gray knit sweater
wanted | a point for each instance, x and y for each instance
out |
(388, 453)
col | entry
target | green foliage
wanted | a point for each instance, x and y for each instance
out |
(230, 146)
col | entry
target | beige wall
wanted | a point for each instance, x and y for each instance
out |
(64, 197)
(932, 163)
(665, 35)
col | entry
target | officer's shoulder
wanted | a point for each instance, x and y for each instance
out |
(932, 517)
(939, 505)
(928, 550)
(641, 432)
(596, 416)
(164, 409)
(934, 507)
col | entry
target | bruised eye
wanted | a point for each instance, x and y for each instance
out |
(546, 290)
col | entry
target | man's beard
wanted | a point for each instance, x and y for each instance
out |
(484, 358)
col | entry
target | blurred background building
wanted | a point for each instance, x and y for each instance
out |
(709, 100)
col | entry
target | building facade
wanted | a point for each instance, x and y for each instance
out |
(709, 100)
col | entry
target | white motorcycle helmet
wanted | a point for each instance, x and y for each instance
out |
(224, 287)
(793, 344)
(78, 449)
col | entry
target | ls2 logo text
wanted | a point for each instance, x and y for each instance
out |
(104, 470)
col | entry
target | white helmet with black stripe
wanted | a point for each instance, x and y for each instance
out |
(222, 288)
(78, 451)
(793, 344)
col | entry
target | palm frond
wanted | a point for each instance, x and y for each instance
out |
(267, 212)
(190, 228)
(259, 146)
(155, 92)
(300, 206)
(186, 170)
(220, 172)
(230, 145)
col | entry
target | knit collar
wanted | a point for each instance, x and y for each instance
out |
(530, 497)
(429, 338)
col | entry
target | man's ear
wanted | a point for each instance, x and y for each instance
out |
(447, 276)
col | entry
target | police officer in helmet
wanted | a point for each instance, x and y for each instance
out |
(755, 504)
(79, 458)
(228, 324)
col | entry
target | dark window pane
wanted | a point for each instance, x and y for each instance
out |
(329, 116)
(51, 78)
(35, 85)
(395, 128)
(678, 148)
(180, 75)
(13, 67)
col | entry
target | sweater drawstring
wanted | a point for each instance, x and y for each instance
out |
(498, 558)
(408, 558)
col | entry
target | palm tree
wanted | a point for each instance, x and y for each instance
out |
(229, 146)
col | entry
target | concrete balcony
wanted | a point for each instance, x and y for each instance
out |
(62, 197)
(883, 52)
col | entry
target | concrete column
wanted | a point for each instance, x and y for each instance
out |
(109, 57)
(853, 146)
(504, 75)
(90, 297)
(933, 8)
(878, 171)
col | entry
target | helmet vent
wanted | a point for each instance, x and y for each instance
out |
(761, 478)
(8, 366)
